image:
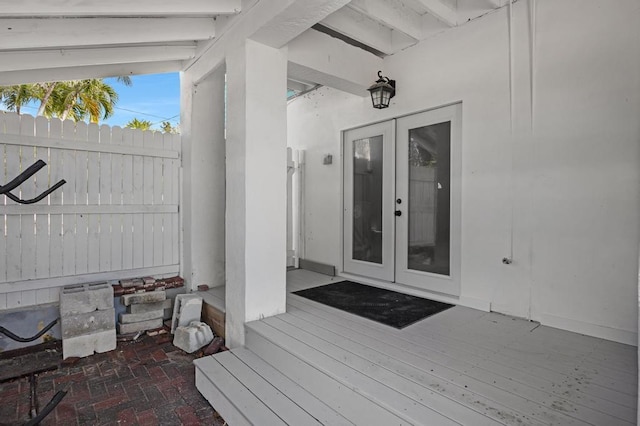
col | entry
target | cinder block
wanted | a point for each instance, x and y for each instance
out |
(186, 308)
(148, 297)
(144, 316)
(81, 346)
(192, 337)
(83, 298)
(87, 323)
(139, 326)
(139, 308)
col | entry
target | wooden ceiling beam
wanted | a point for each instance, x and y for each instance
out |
(393, 14)
(95, 71)
(365, 30)
(40, 33)
(274, 23)
(322, 59)
(64, 58)
(441, 11)
(139, 8)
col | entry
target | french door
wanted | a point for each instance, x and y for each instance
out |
(402, 200)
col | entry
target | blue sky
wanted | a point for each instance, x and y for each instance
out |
(154, 97)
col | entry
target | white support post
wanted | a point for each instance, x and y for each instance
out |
(256, 186)
(204, 181)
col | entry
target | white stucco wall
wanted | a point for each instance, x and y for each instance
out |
(568, 172)
(203, 198)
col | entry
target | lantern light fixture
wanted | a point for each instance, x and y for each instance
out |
(382, 91)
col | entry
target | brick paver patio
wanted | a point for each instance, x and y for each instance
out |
(147, 382)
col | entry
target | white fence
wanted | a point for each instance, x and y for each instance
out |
(116, 217)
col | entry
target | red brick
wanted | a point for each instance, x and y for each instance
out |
(108, 403)
(157, 373)
(127, 417)
(158, 355)
(147, 418)
(70, 378)
(187, 415)
(65, 413)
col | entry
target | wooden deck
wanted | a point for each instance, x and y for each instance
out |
(319, 365)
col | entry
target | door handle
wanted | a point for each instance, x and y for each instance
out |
(398, 213)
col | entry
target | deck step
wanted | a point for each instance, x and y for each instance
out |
(311, 361)
(246, 390)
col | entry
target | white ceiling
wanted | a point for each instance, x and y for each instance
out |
(43, 40)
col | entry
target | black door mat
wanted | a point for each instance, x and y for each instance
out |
(385, 306)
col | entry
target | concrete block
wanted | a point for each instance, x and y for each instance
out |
(144, 316)
(192, 337)
(139, 326)
(186, 308)
(148, 297)
(83, 298)
(81, 346)
(140, 308)
(87, 323)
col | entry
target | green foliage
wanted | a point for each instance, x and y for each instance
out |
(139, 124)
(166, 127)
(14, 97)
(73, 99)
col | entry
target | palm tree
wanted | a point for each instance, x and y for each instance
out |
(168, 128)
(139, 124)
(93, 98)
(14, 97)
(76, 99)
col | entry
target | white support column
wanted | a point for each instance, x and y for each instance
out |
(256, 186)
(203, 159)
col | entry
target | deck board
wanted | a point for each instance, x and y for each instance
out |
(447, 349)
(279, 403)
(401, 391)
(343, 399)
(312, 405)
(318, 364)
(486, 384)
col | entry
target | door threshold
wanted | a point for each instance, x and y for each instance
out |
(469, 302)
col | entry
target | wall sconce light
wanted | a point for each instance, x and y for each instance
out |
(382, 91)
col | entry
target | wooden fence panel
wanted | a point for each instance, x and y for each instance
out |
(82, 169)
(42, 182)
(70, 197)
(116, 199)
(104, 230)
(147, 193)
(27, 246)
(116, 217)
(14, 262)
(167, 220)
(175, 193)
(127, 199)
(93, 198)
(56, 172)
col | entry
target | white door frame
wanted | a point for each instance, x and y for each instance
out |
(383, 271)
(425, 280)
(394, 267)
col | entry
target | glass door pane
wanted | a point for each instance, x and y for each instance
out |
(429, 198)
(367, 199)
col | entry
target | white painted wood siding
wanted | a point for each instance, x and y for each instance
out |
(117, 215)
